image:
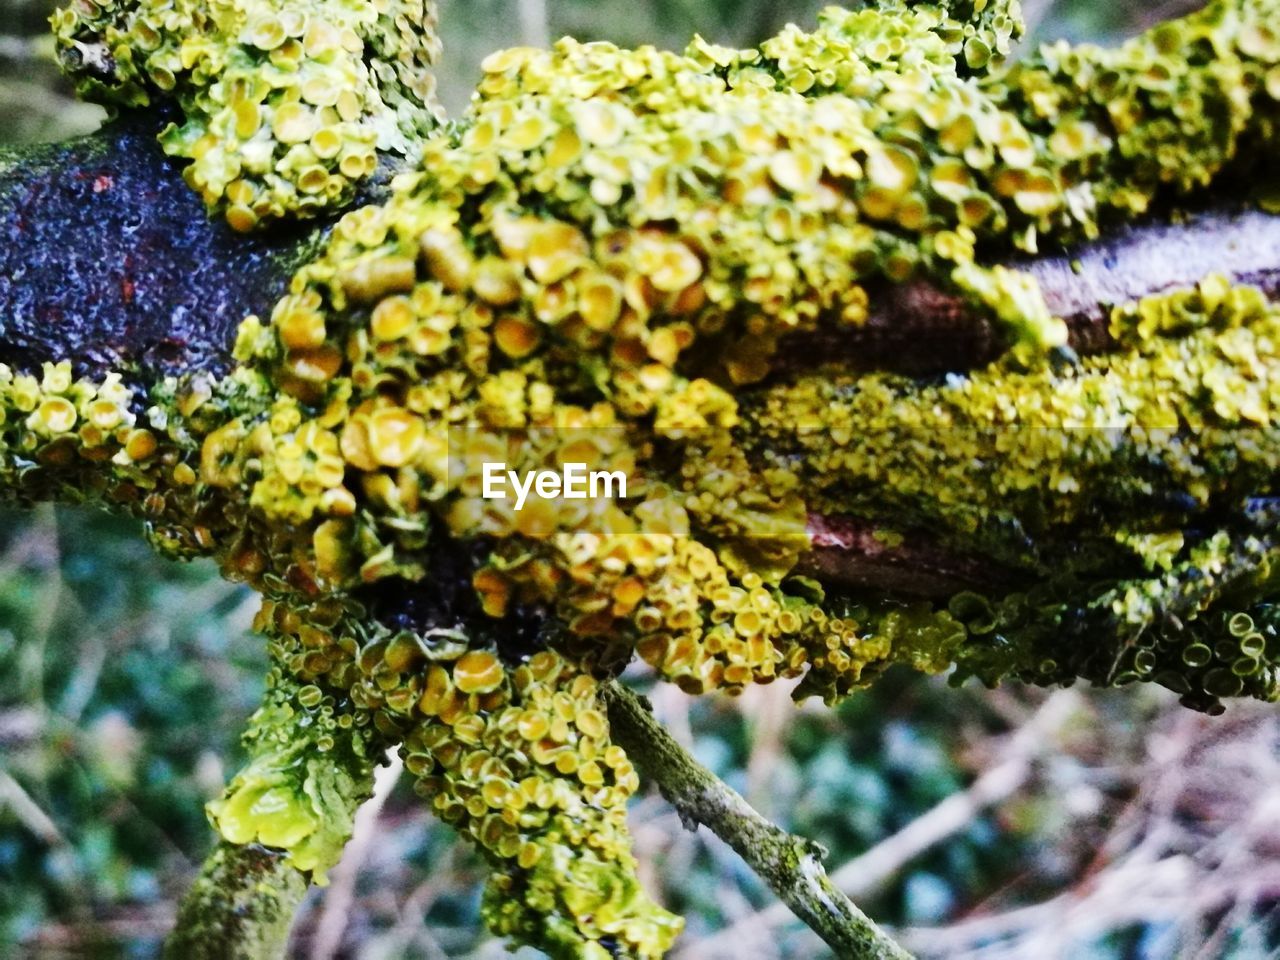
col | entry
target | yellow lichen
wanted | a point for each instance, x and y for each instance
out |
(598, 264)
(284, 105)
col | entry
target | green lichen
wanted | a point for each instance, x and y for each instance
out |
(284, 105)
(597, 263)
(1188, 416)
(311, 764)
(516, 757)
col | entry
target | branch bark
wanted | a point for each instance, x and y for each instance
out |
(916, 328)
(240, 908)
(110, 262)
(108, 258)
(790, 865)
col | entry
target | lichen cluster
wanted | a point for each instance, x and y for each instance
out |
(1169, 109)
(284, 106)
(1198, 628)
(597, 264)
(516, 756)
(311, 764)
(856, 51)
(1184, 410)
(68, 437)
(1044, 468)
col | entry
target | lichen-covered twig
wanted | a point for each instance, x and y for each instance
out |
(104, 238)
(918, 328)
(240, 908)
(790, 865)
(1013, 766)
(282, 822)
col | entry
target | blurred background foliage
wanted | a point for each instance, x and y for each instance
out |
(987, 824)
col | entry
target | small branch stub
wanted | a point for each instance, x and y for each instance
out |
(241, 907)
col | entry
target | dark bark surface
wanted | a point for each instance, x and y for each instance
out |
(107, 258)
(846, 550)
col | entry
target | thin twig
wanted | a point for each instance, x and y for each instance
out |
(790, 865)
(535, 26)
(28, 812)
(865, 874)
(1191, 850)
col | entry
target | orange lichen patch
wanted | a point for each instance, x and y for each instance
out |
(554, 251)
(395, 436)
(393, 318)
(516, 338)
(497, 281)
(494, 591)
(478, 672)
(54, 415)
(140, 445)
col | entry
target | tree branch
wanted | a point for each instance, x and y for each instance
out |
(110, 260)
(789, 865)
(110, 263)
(916, 328)
(240, 908)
